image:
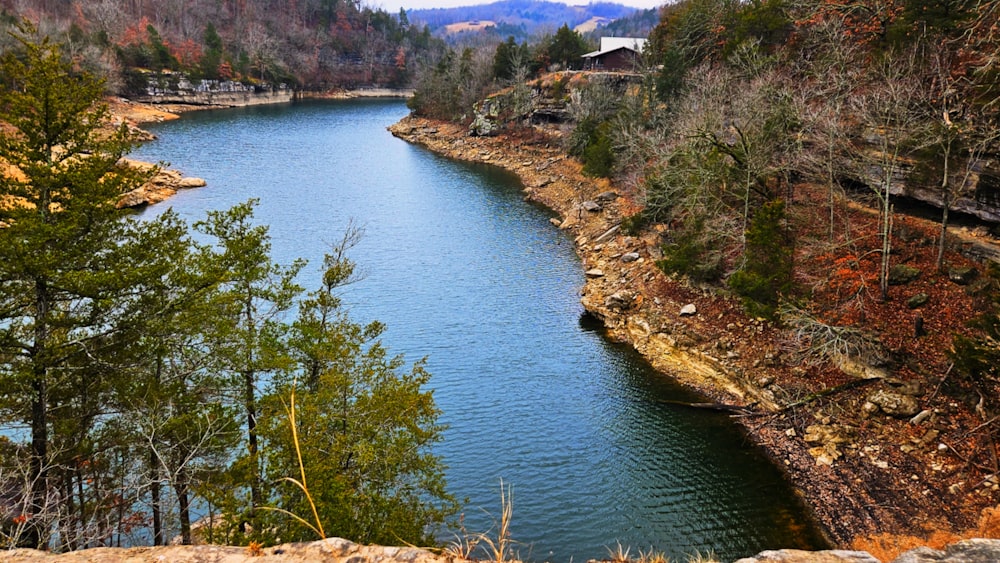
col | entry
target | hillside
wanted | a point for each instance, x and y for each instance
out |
(308, 44)
(520, 18)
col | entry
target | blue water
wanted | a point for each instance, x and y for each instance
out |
(465, 272)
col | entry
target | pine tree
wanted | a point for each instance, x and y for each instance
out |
(365, 426)
(72, 271)
(256, 293)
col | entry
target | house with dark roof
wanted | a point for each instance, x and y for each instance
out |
(616, 53)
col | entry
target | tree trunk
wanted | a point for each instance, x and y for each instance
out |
(154, 492)
(251, 408)
(38, 478)
(183, 506)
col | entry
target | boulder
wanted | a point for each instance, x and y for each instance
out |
(185, 183)
(622, 300)
(630, 257)
(799, 556)
(594, 273)
(902, 274)
(486, 121)
(894, 403)
(591, 206)
(606, 197)
(966, 551)
(963, 275)
(918, 300)
(689, 310)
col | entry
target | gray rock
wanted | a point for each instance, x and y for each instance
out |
(486, 121)
(964, 275)
(592, 206)
(606, 197)
(799, 556)
(902, 274)
(917, 300)
(191, 182)
(595, 273)
(622, 300)
(895, 404)
(966, 551)
(689, 310)
(630, 257)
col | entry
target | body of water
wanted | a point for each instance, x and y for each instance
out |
(463, 271)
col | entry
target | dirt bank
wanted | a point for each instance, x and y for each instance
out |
(860, 473)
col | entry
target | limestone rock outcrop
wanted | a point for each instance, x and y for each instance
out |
(332, 550)
(161, 186)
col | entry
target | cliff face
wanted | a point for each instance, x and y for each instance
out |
(177, 89)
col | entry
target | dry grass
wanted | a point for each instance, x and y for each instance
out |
(496, 543)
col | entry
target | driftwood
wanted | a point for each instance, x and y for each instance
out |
(720, 407)
(738, 410)
(830, 391)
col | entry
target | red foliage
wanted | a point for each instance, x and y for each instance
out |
(135, 34)
(187, 53)
(867, 21)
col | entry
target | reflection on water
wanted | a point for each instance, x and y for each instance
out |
(466, 273)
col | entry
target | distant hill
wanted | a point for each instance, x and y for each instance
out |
(520, 18)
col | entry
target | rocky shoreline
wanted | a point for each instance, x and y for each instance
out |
(705, 342)
(702, 340)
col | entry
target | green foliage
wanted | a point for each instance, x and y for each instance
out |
(692, 252)
(767, 272)
(364, 433)
(947, 18)
(212, 57)
(76, 279)
(598, 158)
(508, 58)
(633, 225)
(566, 48)
(977, 357)
(147, 367)
(765, 22)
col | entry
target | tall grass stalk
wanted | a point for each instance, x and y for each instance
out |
(500, 548)
(301, 483)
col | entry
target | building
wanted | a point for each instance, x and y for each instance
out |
(616, 53)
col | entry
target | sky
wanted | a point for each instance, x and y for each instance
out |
(393, 6)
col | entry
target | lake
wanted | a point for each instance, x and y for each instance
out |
(465, 272)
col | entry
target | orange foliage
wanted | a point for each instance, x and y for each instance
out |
(886, 547)
(135, 34)
(187, 53)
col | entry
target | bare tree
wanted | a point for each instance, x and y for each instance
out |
(832, 72)
(890, 110)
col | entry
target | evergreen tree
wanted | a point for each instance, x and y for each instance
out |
(72, 272)
(255, 295)
(566, 48)
(364, 429)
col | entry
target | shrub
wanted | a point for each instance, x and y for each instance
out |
(767, 271)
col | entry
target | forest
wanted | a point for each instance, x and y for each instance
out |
(308, 44)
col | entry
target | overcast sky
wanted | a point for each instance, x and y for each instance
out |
(393, 6)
